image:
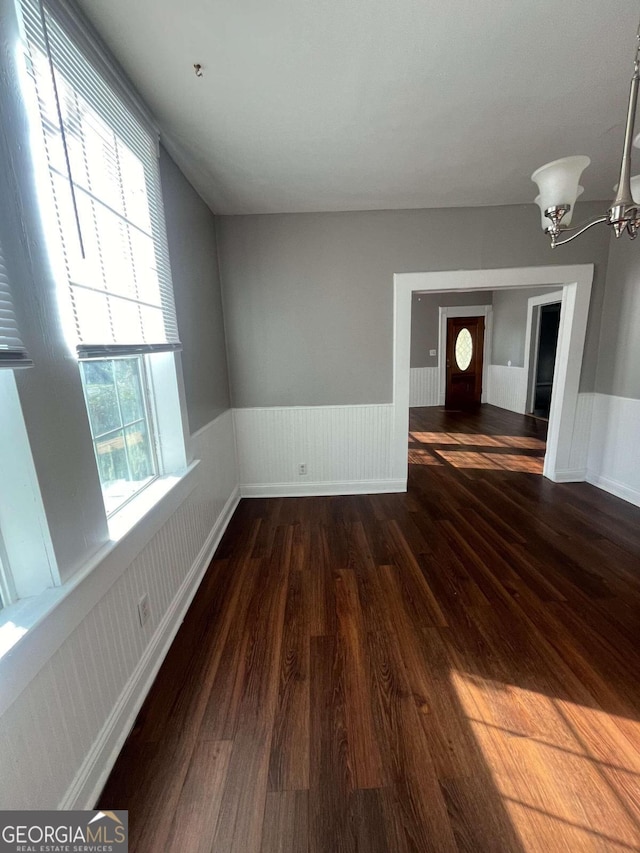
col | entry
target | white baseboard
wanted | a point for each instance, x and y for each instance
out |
(92, 775)
(294, 490)
(620, 490)
(577, 475)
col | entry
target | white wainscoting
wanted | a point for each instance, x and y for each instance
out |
(614, 455)
(60, 737)
(579, 455)
(347, 450)
(507, 387)
(424, 386)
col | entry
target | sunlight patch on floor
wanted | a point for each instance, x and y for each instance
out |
(495, 461)
(522, 442)
(477, 439)
(473, 439)
(549, 758)
(423, 457)
(433, 437)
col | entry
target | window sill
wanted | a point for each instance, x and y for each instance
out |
(132, 513)
(32, 629)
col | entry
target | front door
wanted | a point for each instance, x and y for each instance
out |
(465, 345)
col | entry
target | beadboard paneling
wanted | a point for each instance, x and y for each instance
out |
(614, 460)
(507, 387)
(424, 386)
(346, 449)
(60, 736)
(578, 458)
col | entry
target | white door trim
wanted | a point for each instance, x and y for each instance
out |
(531, 336)
(447, 311)
(576, 284)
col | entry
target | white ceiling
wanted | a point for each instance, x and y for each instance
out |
(371, 104)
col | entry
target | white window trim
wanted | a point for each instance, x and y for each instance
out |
(27, 547)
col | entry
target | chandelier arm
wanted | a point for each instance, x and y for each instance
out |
(578, 229)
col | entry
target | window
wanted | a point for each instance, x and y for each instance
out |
(117, 397)
(102, 155)
(464, 349)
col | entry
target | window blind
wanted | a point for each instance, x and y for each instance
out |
(12, 350)
(103, 166)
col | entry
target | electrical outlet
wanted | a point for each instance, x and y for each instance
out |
(144, 609)
(302, 469)
(432, 353)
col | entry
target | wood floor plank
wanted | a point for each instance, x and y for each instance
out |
(198, 806)
(362, 745)
(286, 822)
(368, 817)
(289, 761)
(239, 827)
(449, 746)
(331, 778)
(220, 717)
(418, 798)
(323, 603)
(417, 593)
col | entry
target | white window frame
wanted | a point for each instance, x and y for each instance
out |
(28, 561)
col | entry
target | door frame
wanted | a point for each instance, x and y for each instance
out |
(531, 338)
(576, 282)
(447, 311)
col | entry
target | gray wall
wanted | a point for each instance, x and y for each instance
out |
(510, 324)
(424, 321)
(619, 363)
(308, 298)
(196, 282)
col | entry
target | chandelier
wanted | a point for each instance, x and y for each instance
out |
(558, 183)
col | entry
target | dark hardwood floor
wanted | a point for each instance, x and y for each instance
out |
(456, 668)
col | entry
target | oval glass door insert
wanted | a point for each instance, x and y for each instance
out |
(464, 349)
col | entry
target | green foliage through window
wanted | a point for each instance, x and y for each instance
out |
(115, 394)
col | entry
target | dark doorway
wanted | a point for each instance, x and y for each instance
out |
(546, 359)
(465, 345)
